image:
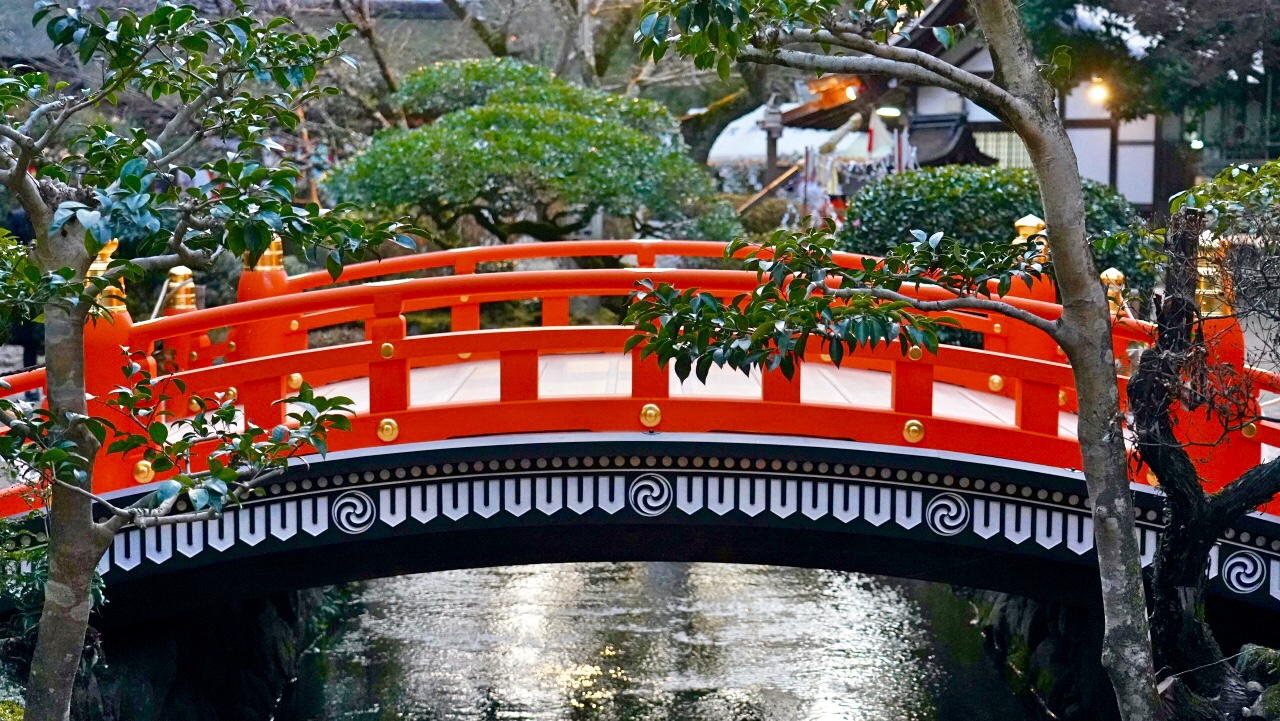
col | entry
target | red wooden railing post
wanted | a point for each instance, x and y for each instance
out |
(106, 352)
(1220, 460)
(518, 375)
(1037, 406)
(258, 396)
(648, 379)
(912, 381)
(389, 377)
(555, 311)
(464, 315)
(777, 388)
(646, 257)
(183, 351)
(266, 279)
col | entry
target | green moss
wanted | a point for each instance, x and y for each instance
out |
(1258, 663)
(1269, 702)
(10, 711)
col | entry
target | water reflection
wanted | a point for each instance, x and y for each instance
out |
(710, 642)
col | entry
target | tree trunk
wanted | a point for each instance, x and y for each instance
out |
(1182, 640)
(75, 543)
(1183, 643)
(1085, 335)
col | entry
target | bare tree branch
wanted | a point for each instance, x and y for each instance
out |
(865, 65)
(960, 303)
(184, 115)
(495, 40)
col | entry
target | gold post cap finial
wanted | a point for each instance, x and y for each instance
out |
(272, 258)
(1113, 279)
(1028, 225)
(112, 296)
(182, 292)
(1213, 291)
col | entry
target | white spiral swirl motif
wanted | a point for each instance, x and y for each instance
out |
(1244, 572)
(947, 514)
(650, 495)
(354, 512)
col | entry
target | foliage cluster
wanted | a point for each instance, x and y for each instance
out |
(447, 87)
(804, 295)
(201, 182)
(977, 205)
(1170, 57)
(524, 153)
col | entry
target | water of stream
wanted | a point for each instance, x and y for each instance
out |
(653, 641)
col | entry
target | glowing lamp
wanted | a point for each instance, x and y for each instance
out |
(1098, 91)
(889, 111)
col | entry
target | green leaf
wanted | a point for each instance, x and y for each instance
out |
(167, 489)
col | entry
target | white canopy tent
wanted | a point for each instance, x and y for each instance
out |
(743, 142)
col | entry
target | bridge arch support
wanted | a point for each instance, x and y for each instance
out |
(536, 498)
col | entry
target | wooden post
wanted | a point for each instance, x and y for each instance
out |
(648, 380)
(389, 377)
(913, 385)
(518, 375)
(464, 315)
(266, 279)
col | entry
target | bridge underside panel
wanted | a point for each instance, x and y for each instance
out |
(660, 497)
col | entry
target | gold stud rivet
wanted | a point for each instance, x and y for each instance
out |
(1151, 478)
(650, 415)
(388, 430)
(826, 357)
(465, 355)
(913, 431)
(232, 393)
(231, 346)
(995, 383)
(293, 325)
(193, 356)
(143, 472)
(295, 381)
(1062, 398)
(193, 405)
(915, 353)
(997, 329)
(387, 350)
(464, 298)
(1250, 430)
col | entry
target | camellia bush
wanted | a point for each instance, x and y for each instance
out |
(524, 153)
(977, 205)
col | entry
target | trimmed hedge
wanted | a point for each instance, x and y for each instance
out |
(976, 205)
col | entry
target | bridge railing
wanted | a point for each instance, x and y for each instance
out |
(267, 355)
(291, 334)
(646, 405)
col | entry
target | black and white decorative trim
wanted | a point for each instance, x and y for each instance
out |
(1026, 512)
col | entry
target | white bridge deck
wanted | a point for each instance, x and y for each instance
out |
(598, 374)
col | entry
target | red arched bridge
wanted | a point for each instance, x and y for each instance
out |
(485, 446)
